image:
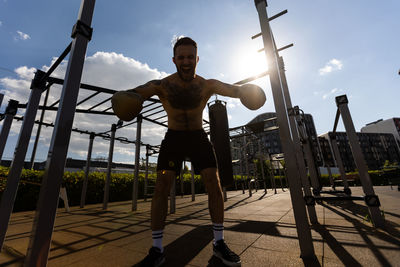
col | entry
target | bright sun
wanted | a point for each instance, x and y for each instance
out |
(249, 63)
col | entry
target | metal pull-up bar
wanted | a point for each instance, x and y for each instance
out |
(279, 49)
(270, 19)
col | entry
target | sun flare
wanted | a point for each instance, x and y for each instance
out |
(249, 63)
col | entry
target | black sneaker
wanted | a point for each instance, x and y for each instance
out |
(155, 258)
(227, 256)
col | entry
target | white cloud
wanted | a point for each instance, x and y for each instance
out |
(233, 102)
(333, 65)
(25, 73)
(331, 92)
(103, 69)
(1, 23)
(22, 36)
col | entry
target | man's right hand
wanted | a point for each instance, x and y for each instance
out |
(127, 105)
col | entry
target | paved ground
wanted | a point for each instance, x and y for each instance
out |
(260, 228)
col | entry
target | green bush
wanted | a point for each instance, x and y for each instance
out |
(121, 185)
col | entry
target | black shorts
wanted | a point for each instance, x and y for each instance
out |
(178, 146)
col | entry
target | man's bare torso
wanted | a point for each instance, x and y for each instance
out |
(184, 102)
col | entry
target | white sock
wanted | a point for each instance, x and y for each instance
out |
(157, 239)
(218, 230)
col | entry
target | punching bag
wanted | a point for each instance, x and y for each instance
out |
(219, 133)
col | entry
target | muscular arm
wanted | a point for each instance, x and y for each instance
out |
(128, 104)
(251, 95)
(224, 89)
(147, 90)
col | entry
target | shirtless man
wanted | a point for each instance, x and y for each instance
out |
(184, 95)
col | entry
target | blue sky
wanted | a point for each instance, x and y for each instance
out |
(340, 47)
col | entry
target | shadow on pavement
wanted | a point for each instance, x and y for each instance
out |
(343, 208)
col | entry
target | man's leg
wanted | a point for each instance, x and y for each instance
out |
(215, 196)
(216, 207)
(159, 208)
(159, 203)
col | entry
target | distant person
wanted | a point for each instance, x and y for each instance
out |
(184, 95)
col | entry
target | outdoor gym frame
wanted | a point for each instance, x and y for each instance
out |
(67, 106)
(39, 245)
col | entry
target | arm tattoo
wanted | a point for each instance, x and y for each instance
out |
(185, 98)
(153, 82)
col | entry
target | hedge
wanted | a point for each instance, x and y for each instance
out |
(121, 185)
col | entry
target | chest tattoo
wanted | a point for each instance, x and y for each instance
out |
(184, 98)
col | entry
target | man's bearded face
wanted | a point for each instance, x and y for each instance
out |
(185, 60)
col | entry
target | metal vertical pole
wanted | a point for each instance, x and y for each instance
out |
(308, 154)
(11, 110)
(247, 165)
(311, 166)
(261, 159)
(248, 179)
(339, 161)
(330, 176)
(285, 176)
(181, 179)
(263, 174)
(10, 192)
(1, 98)
(366, 183)
(297, 144)
(106, 196)
(146, 174)
(192, 183)
(172, 197)
(256, 176)
(281, 173)
(298, 203)
(87, 169)
(224, 193)
(139, 120)
(33, 155)
(241, 169)
(272, 174)
(43, 224)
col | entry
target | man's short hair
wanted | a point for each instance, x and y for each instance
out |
(184, 41)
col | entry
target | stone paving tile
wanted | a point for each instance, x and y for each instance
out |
(11, 257)
(260, 228)
(284, 243)
(19, 231)
(99, 256)
(356, 255)
(128, 240)
(263, 257)
(19, 245)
